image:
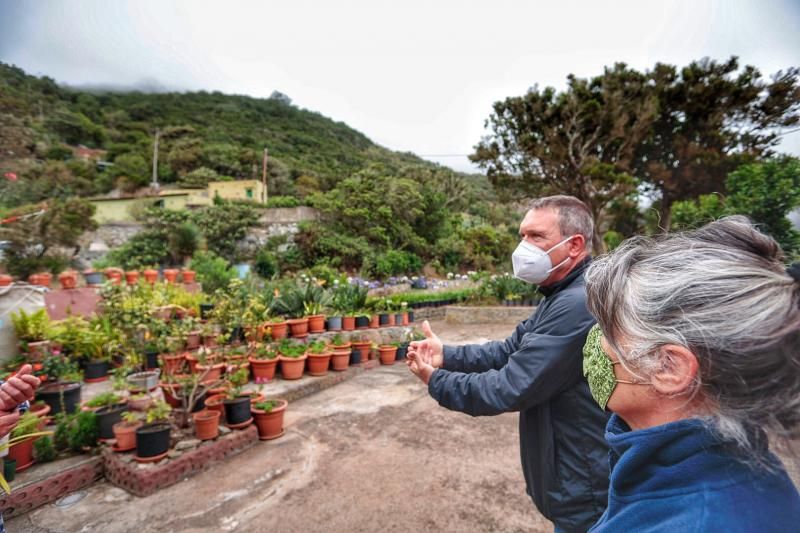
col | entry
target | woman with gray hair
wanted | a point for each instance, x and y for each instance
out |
(697, 353)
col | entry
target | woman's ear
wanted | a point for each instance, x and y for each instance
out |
(678, 371)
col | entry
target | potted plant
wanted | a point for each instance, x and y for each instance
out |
(125, 432)
(21, 450)
(209, 332)
(62, 391)
(32, 330)
(340, 359)
(6, 280)
(109, 410)
(263, 361)
(206, 424)
(276, 327)
(363, 320)
(150, 275)
(236, 404)
(95, 356)
(188, 276)
(388, 353)
(153, 438)
(319, 356)
(292, 359)
(316, 319)
(268, 415)
(139, 401)
(363, 345)
(68, 279)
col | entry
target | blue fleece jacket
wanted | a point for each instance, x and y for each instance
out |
(681, 477)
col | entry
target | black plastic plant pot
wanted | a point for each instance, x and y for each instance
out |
(95, 371)
(9, 469)
(355, 357)
(410, 316)
(402, 350)
(151, 360)
(107, 417)
(200, 403)
(53, 394)
(237, 411)
(362, 322)
(152, 439)
(237, 334)
(205, 311)
(383, 319)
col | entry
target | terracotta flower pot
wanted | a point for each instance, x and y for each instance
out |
(374, 321)
(139, 404)
(40, 409)
(68, 279)
(193, 340)
(214, 403)
(391, 319)
(171, 275)
(263, 368)
(206, 424)
(363, 348)
(340, 359)
(173, 363)
(316, 323)
(150, 275)
(22, 452)
(131, 277)
(210, 341)
(254, 333)
(125, 434)
(214, 371)
(276, 330)
(171, 394)
(292, 367)
(270, 423)
(114, 275)
(318, 363)
(348, 323)
(298, 326)
(388, 354)
(189, 276)
(5, 280)
(405, 318)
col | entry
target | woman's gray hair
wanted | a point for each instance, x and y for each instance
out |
(723, 292)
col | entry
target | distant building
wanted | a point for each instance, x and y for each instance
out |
(123, 207)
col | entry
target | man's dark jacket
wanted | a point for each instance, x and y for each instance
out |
(537, 371)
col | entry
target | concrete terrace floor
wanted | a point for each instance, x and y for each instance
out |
(374, 453)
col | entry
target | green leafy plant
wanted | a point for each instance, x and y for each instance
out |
(236, 382)
(292, 349)
(265, 351)
(104, 399)
(317, 347)
(267, 405)
(158, 412)
(31, 327)
(43, 450)
(76, 431)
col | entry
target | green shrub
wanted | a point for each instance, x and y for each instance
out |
(266, 264)
(282, 201)
(213, 272)
(76, 431)
(396, 262)
(43, 450)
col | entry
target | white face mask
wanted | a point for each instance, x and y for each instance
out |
(532, 264)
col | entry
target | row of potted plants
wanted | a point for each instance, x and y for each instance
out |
(69, 278)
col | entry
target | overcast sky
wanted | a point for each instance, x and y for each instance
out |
(415, 75)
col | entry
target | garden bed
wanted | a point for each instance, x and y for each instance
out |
(455, 314)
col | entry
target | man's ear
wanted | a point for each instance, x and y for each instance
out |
(679, 368)
(576, 245)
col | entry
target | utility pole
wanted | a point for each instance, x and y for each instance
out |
(264, 177)
(154, 183)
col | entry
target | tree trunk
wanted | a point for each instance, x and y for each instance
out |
(665, 213)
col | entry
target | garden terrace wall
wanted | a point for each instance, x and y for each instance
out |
(125, 473)
(49, 482)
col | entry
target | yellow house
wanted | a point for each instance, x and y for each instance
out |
(252, 190)
(124, 208)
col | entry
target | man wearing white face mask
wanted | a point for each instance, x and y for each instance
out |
(537, 371)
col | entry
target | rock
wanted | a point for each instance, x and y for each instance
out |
(126, 457)
(172, 454)
(187, 444)
(224, 430)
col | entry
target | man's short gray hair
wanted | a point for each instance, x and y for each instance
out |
(721, 291)
(574, 218)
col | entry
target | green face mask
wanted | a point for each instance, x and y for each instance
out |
(599, 369)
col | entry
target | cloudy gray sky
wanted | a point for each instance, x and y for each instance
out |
(413, 75)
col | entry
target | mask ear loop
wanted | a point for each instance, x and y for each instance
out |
(556, 246)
